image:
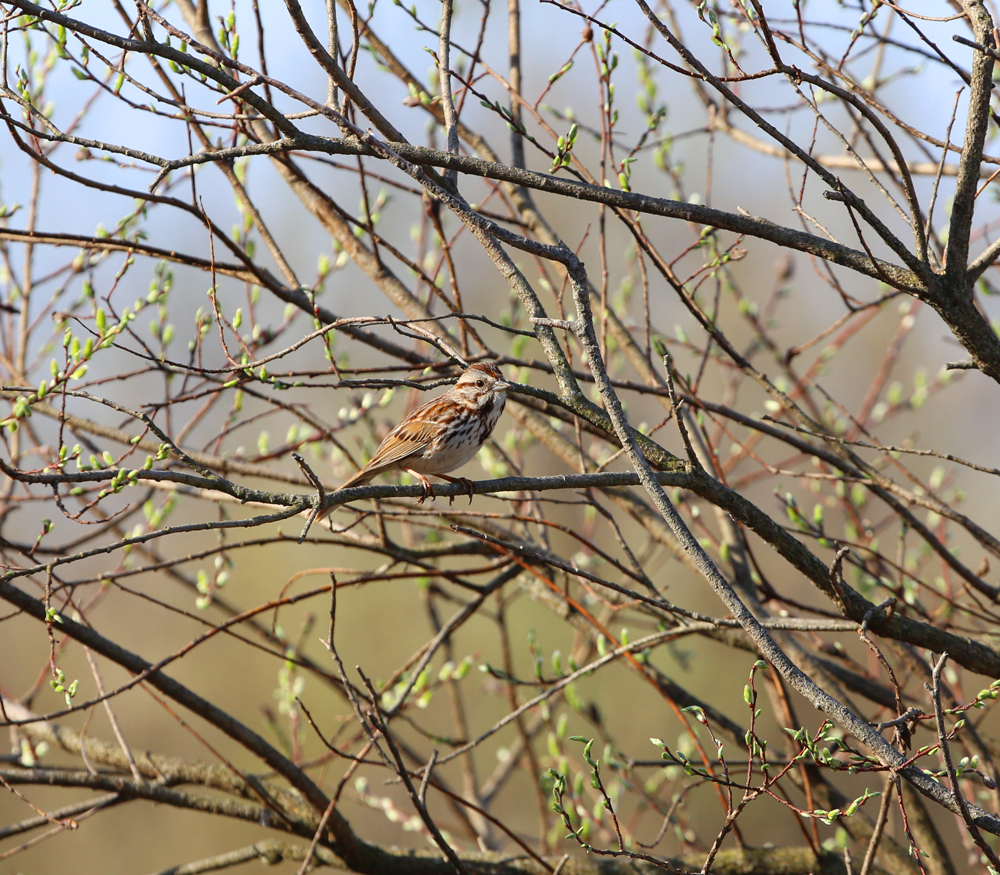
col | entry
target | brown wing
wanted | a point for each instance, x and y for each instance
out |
(411, 437)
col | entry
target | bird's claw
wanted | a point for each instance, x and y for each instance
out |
(428, 492)
(465, 481)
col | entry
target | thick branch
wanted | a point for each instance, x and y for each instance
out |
(981, 90)
(739, 223)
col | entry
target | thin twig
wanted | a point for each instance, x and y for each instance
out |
(934, 688)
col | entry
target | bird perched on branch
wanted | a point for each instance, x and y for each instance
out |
(442, 434)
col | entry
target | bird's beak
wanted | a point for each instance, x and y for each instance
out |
(501, 386)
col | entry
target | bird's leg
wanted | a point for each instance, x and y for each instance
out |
(465, 481)
(427, 485)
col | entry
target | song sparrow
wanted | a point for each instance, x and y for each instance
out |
(444, 433)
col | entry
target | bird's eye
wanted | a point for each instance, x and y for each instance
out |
(480, 383)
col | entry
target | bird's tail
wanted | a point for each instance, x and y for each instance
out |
(363, 477)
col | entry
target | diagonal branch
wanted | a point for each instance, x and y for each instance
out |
(790, 673)
(334, 71)
(347, 843)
